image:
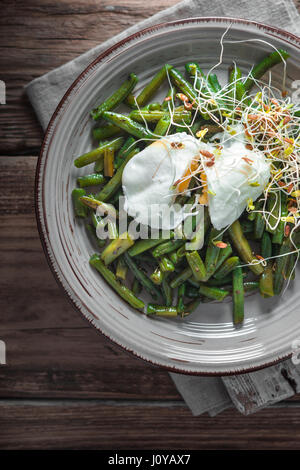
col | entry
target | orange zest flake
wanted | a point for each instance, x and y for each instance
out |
(290, 188)
(275, 102)
(183, 183)
(209, 156)
(177, 145)
(182, 97)
(168, 98)
(247, 160)
(260, 257)
(287, 230)
(286, 120)
(249, 146)
(206, 154)
(220, 244)
(253, 117)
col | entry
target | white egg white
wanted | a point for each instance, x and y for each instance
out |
(149, 176)
(236, 176)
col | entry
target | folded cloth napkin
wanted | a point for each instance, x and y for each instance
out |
(247, 392)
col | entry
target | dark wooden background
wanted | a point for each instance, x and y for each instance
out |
(64, 385)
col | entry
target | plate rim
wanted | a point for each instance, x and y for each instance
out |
(39, 205)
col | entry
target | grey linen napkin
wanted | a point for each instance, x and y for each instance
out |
(247, 392)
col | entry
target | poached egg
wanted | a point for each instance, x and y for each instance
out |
(238, 174)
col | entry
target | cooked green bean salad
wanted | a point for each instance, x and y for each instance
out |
(230, 153)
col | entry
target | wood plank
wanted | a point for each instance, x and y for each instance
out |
(124, 426)
(76, 363)
(59, 32)
(51, 349)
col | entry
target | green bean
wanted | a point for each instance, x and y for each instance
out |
(136, 287)
(214, 82)
(157, 276)
(93, 203)
(90, 180)
(278, 234)
(100, 133)
(114, 199)
(97, 153)
(91, 231)
(280, 267)
(167, 291)
(196, 264)
(250, 286)
(181, 294)
(289, 272)
(190, 307)
(237, 89)
(166, 264)
(115, 182)
(79, 208)
(144, 245)
(238, 296)
(227, 267)
(161, 310)
(192, 292)
(130, 100)
(99, 165)
(212, 252)
(266, 246)
(251, 216)
(162, 126)
(126, 148)
(121, 271)
(247, 225)
(95, 218)
(220, 282)
(273, 208)
(116, 248)
(266, 282)
(110, 278)
(178, 117)
(152, 87)
(223, 255)
(146, 259)
(259, 226)
(261, 68)
(128, 125)
(214, 293)
(167, 247)
(181, 277)
(143, 279)
(116, 98)
(183, 84)
(174, 257)
(193, 69)
(156, 106)
(243, 248)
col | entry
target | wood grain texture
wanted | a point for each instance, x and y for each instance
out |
(54, 355)
(46, 35)
(121, 425)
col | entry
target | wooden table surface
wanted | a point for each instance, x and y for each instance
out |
(64, 385)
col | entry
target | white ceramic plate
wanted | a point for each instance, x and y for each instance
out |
(205, 342)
